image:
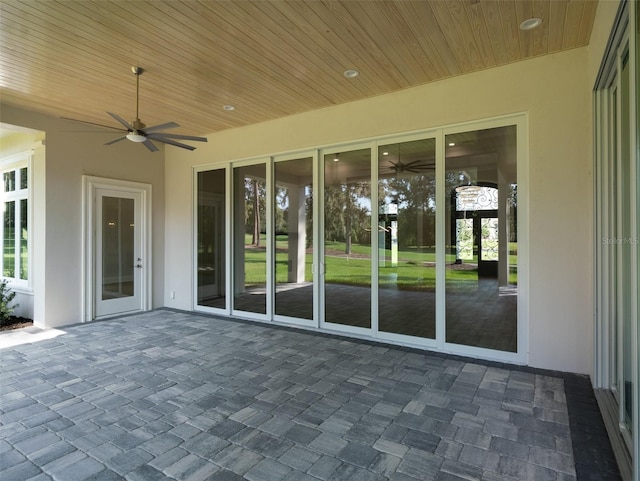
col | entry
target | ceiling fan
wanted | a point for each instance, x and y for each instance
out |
(138, 132)
(415, 166)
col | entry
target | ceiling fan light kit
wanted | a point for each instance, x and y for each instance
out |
(135, 137)
(138, 132)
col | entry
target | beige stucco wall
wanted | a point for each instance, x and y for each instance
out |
(57, 193)
(555, 92)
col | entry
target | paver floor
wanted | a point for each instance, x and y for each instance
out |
(172, 395)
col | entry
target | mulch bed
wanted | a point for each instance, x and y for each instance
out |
(16, 323)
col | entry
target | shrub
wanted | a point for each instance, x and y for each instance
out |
(6, 305)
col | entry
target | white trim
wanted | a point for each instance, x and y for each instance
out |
(90, 185)
(14, 163)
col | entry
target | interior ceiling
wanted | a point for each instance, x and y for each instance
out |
(269, 59)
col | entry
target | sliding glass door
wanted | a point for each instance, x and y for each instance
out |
(293, 238)
(407, 238)
(617, 168)
(250, 240)
(210, 247)
(410, 239)
(347, 238)
(481, 232)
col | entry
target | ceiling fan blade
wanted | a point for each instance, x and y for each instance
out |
(155, 128)
(115, 140)
(413, 162)
(422, 166)
(177, 136)
(92, 123)
(171, 142)
(149, 145)
(122, 121)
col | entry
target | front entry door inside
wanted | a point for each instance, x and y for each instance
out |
(119, 262)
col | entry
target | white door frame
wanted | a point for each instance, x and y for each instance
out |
(90, 185)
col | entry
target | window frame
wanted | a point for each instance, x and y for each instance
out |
(15, 163)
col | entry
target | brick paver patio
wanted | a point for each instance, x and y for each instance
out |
(172, 395)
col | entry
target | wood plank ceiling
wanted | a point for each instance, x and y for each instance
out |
(269, 59)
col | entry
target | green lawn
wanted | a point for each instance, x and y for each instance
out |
(415, 269)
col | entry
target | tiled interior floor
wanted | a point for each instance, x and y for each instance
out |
(172, 395)
(480, 315)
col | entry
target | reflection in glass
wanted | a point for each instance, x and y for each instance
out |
(406, 238)
(293, 230)
(626, 310)
(211, 252)
(23, 178)
(117, 247)
(9, 247)
(347, 237)
(24, 239)
(481, 274)
(250, 242)
(10, 181)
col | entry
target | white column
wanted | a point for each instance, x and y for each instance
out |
(296, 225)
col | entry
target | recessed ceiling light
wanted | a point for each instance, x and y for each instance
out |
(385, 153)
(229, 108)
(451, 144)
(530, 23)
(336, 159)
(351, 73)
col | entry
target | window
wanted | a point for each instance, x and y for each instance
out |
(617, 235)
(15, 223)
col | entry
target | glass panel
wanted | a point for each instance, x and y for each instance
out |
(612, 250)
(23, 178)
(626, 244)
(211, 247)
(117, 247)
(489, 239)
(293, 230)
(250, 256)
(406, 238)
(464, 239)
(481, 238)
(9, 248)
(24, 237)
(10, 181)
(347, 238)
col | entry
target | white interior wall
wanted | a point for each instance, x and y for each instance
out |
(57, 191)
(555, 92)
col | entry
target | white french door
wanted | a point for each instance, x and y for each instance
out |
(117, 262)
